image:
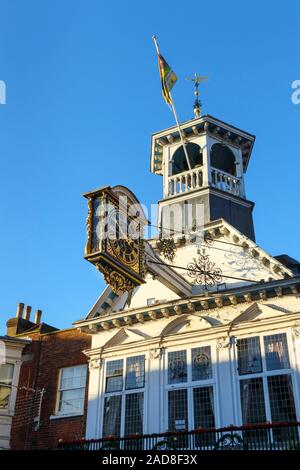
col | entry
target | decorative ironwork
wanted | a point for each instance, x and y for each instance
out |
(201, 238)
(208, 240)
(248, 437)
(197, 104)
(204, 272)
(167, 248)
(230, 442)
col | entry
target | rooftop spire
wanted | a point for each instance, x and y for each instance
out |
(197, 104)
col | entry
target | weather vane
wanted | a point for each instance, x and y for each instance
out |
(197, 104)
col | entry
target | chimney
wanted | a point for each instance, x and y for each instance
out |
(27, 312)
(38, 316)
(20, 310)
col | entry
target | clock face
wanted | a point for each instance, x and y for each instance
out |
(124, 249)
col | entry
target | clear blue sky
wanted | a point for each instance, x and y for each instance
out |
(83, 97)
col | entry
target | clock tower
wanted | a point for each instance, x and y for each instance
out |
(219, 154)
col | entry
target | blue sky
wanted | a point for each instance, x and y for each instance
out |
(83, 97)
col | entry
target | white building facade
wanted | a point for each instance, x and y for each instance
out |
(10, 364)
(202, 347)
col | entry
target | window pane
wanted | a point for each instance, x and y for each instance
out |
(112, 416)
(135, 372)
(134, 411)
(282, 407)
(96, 224)
(276, 349)
(201, 363)
(4, 396)
(204, 416)
(6, 373)
(249, 356)
(73, 377)
(252, 401)
(178, 410)
(177, 367)
(72, 401)
(281, 398)
(114, 376)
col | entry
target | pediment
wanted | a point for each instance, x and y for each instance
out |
(258, 311)
(186, 323)
(125, 336)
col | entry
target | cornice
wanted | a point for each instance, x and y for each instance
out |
(200, 304)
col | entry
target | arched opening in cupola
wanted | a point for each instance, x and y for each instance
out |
(179, 163)
(222, 158)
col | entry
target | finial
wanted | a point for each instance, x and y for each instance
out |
(197, 104)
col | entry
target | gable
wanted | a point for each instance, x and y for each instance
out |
(153, 290)
(241, 260)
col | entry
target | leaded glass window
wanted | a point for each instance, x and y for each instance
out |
(134, 411)
(204, 415)
(282, 406)
(135, 372)
(252, 401)
(178, 410)
(281, 398)
(124, 410)
(276, 351)
(112, 416)
(114, 376)
(201, 363)
(177, 367)
(249, 356)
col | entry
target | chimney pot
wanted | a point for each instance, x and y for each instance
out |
(27, 312)
(20, 310)
(38, 316)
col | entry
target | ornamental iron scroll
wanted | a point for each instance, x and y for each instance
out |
(167, 247)
(230, 442)
(204, 272)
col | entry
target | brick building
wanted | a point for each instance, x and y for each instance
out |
(51, 400)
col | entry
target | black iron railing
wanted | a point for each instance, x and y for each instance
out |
(266, 436)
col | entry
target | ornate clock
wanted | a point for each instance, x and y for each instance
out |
(115, 226)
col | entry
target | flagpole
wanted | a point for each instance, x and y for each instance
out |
(180, 133)
(175, 114)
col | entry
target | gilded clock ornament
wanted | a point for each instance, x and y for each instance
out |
(114, 241)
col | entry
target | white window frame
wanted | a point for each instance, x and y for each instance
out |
(2, 384)
(190, 384)
(124, 392)
(267, 373)
(63, 414)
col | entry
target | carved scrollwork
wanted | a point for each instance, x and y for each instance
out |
(89, 222)
(118, 282)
